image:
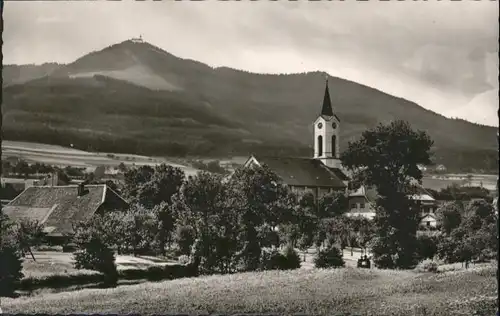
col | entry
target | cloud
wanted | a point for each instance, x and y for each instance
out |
(442, 55)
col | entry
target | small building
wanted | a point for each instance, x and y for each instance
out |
(441, 168)
(362, 202)
(58, 208)
(428, 221)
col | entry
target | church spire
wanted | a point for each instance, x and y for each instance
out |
(327, 103)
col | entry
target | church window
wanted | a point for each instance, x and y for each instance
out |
(320, 145)
(334, 145)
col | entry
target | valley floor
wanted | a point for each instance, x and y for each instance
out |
(310, 291)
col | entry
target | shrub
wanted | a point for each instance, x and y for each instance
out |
(274, 260)
(330, 257)
(184, 237)
(10, 269)
(271, 260)
(157, 273)
(292, 259)
(427, 247)
(95, 255)
(427, 266)
(10, 258)
(183, 259)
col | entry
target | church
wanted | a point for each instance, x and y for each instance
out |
(321, 174)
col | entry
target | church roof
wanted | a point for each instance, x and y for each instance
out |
(327, 103)
(303, 171)
(327, 109)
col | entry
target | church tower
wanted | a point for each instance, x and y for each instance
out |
(326, 134)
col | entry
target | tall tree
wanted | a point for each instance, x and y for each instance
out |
(205, 203)
(387, 157)
(449, 216)
(333, 204)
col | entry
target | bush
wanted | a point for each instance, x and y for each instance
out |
(95, 255)
(183, 259)
(274, 260)
(271, 260)
(292, 258)
(330, 257)
(184, 237)
(10, 269)
(427, 266)
(427, 247)
(157, 273)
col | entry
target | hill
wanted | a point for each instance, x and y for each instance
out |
(15, 74)
(312, 292)
(135, 97)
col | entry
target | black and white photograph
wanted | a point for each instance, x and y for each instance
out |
(249, 157)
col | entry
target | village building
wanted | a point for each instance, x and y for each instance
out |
(362, 203)
(59, 208)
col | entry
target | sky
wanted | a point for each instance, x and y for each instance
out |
(442, 55)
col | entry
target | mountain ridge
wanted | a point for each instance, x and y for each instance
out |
(271, 110)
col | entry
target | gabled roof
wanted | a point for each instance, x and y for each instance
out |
(326, 109)
(371, 194)
(301, 171)
(428, 216)
(59, 207)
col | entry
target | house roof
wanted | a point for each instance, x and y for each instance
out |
(371, 194)
(59, 207)
(326, 109)
(302, 171)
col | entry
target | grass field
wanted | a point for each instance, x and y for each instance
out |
(319, 292)
(66, 156)
(53, 262)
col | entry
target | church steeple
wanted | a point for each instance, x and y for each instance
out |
(327, 110)
(327, 133)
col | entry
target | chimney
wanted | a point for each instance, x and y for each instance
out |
(81, 189)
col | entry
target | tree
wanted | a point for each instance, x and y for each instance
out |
(150, 187)
(142, 226)
(184, 237)
(366, 233)
(28, 234)
(333, 204)
(206, 203)
(476, 238)
(331, 257)
(10, 258)
(122, 168)
(262, 200)
(166, 220)
(387, 157)
(449, 216)
(427, 247)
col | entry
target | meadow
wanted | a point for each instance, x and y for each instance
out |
(67, 156)
(310, 291)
